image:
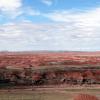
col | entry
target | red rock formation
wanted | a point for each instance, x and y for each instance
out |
(47, 59)
(51, 59)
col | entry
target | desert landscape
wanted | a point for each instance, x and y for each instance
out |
(49, 75)
(49, 50)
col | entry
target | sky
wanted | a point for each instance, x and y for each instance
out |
(53, 25)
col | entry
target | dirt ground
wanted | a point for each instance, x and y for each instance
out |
(46, 93)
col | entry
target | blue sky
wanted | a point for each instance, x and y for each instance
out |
(28, 25)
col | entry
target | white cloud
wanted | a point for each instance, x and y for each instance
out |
(47, 2)
(9, 5)
(9, 31)
(62, 36)
(10, 9)
(71, 30)
(31, 12)
(85, 24)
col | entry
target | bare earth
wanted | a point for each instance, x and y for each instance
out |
(47, 93)
(41, 59)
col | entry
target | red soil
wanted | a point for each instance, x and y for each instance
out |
(48, 58)
(39, 59)
(85, 97)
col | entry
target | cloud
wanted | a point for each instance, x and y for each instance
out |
(19, 14)
(47, 2)
(9, 31)
(10, 9)
(62, 36)
(9, 5)
(69, 30)
(85, 24)
(31, 12)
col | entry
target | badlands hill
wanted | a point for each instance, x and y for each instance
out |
(50, 68)
(39, 59)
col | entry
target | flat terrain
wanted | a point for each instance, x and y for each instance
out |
(46, 94)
